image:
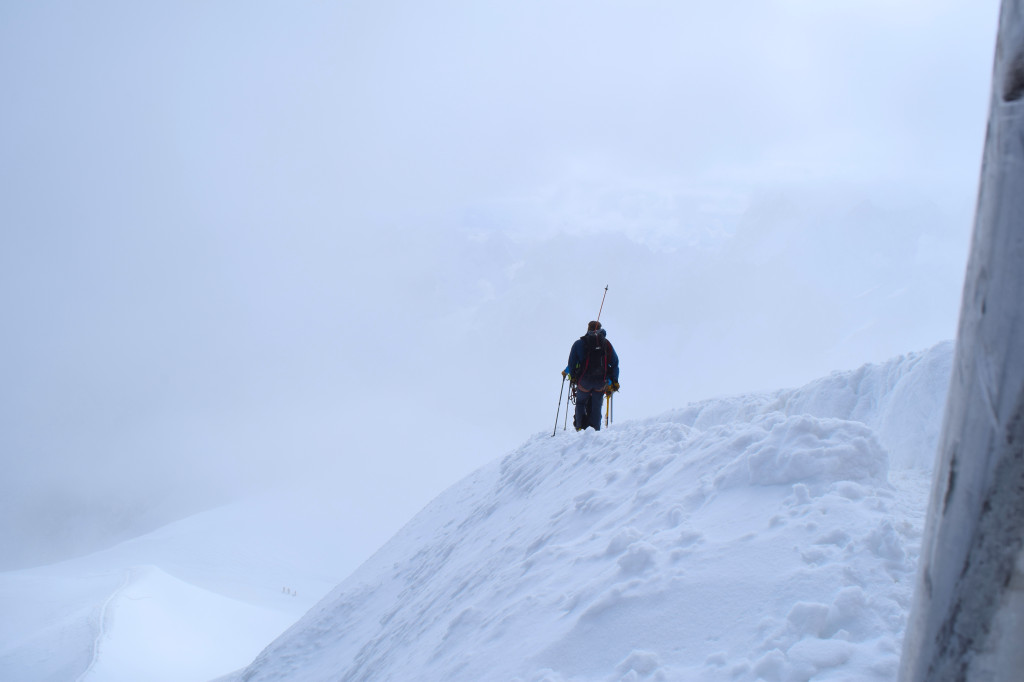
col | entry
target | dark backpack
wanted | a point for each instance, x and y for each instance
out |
(595, 361)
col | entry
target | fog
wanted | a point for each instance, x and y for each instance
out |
(259, 244)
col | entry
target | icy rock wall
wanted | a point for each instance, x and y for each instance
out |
(968, 618)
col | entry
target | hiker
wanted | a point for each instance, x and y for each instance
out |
(593, 371)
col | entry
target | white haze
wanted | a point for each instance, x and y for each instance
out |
(239, 237)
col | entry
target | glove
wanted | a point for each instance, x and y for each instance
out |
(565, 375)
(615, 386)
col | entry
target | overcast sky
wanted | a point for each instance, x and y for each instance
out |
(353, 241)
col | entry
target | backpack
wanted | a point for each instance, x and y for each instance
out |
(595, 361)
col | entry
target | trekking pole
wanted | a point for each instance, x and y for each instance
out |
(608, 409)
(611, 407)
(560, 392)
(568, 400)
(602, 303)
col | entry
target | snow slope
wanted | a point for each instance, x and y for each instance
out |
(766, 537)
(193, 600)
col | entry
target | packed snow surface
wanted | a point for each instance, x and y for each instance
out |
(765, 537)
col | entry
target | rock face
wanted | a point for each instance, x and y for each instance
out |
(968, 618)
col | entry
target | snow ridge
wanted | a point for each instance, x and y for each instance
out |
(768, 537)
(101, 627)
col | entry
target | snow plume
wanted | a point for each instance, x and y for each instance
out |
(765, 537)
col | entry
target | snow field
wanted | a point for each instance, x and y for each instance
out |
(50, 622)
(770, 537)
(763, 537)
(191, 601)
(153, 617)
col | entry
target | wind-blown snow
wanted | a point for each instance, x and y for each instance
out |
(766, 537)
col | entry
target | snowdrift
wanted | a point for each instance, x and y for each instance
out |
(765, 537)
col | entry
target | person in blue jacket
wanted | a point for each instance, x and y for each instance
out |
(593, 371)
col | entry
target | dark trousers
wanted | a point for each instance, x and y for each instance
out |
(588, 409)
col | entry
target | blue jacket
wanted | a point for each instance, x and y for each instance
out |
(577, 357)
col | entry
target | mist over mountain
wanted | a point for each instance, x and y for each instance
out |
(274, 390)
(240, 241)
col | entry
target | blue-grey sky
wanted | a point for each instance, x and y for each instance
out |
(353, 241)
